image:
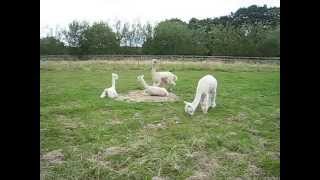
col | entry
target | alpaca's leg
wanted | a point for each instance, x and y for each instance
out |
(213, 101)
(206, 105)
(157, 83)
(160, 83)
(154, 83)
(210, 99)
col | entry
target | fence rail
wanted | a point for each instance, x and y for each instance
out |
(166, 57)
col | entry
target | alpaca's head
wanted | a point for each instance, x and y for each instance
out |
(139, 78)
(115, 76)
(104, 93)
(154, 61)
(188, 108)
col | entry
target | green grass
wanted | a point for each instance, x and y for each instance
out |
(238, 138)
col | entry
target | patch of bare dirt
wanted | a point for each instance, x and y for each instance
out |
(69, 123)
(239, 117)
(55, 157)
(72, 125)
(159, 178)
(232, 133)
(206, 166)
(114, 151)
(199, 176)
(235, 156)
(111, 151)
(155, 126)
(254, 171)
(140, 96)
(274, 155)
(114, 122)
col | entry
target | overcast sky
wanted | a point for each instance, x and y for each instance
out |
(61, 12)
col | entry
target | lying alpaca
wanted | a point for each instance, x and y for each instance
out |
(162, 79)
(205, 95)
(111, 92)
(152, 90)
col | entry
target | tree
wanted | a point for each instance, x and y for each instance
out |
(200, 42)
(74, 36)
(117, 27)
(225, 40)
(251, 31)
(148, 34)
(51, 46)
(255, 14)
(125, 34)
(270, 44)
(99, 39)
(194, 23)
(132, 35)
(139, 35)
(171, 37)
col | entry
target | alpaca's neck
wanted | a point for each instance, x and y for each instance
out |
(196, 100)
(153, 69)
(113, 83)
(143, 82)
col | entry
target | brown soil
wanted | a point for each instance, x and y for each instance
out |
(206, 166)
(55, 157)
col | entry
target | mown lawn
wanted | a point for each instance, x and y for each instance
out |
(107, 139)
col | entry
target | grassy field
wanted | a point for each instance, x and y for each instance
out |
(85, 137)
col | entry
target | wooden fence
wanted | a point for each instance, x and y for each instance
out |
(163, 57)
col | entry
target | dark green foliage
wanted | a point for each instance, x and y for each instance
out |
(51, 45)
(251, 31)
(75, 37)
(130, 50)
(270, 45)
(254, 15)
(99, 39)
(171, 37)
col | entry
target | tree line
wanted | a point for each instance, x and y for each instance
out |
(251, 31)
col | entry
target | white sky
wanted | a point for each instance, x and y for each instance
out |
(55, 13)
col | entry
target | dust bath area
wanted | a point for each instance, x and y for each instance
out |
(140, 96)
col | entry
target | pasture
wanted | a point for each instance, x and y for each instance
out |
(86, 137)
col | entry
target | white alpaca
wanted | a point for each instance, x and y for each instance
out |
(205, 95)
(152, 90)
(162, 79)
(111, 92)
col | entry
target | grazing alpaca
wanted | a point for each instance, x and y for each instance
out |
(205, 95)
(152, 90)
(111, 92)
(162, 79)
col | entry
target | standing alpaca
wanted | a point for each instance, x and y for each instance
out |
(111, 92)
(205, 95)
(162, 79)
(152, 90)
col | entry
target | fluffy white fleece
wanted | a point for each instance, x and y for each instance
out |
(162, 79)
(205, 95)
(152, 90)
(111, 92)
